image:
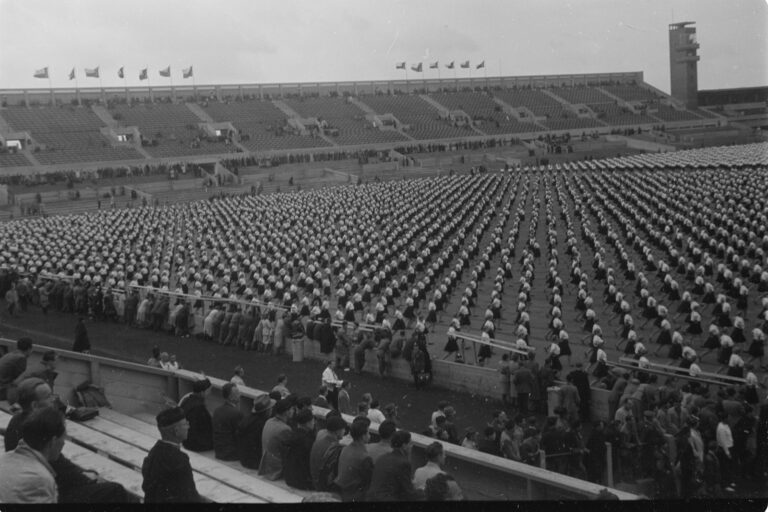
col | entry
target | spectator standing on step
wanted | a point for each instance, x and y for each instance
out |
(250, 431)
(226, 419)
(200, 432)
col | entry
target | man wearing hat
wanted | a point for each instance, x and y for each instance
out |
(200, 435)
(226, 419)
(250, 431)
(166, 470)
(273, 440)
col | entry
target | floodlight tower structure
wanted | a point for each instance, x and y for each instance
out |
(683, 57)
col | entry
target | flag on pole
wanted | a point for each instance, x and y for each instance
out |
(465, 64)
(481, 65)
(166, 72)
(143, 75)
(120, 73)
(72, 74)
(400, 65)
(41, 73)
(433, 65)
(416, 68)
(450, 66)
(186, 73)
(94, 73)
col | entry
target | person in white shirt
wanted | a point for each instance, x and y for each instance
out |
(374, 413)
(725, 444)
(237, 378)
(332, 383)
(434, 465)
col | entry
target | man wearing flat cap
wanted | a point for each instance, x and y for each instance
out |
(166, 470)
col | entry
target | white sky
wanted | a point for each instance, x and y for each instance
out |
(260, 41)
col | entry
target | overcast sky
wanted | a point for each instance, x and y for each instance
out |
(259, 41)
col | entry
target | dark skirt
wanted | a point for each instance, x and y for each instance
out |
(756, 349)
(712, 342)
(565, 348)
(738, 336)
(694, 328)
(750, 395)
(432, 317)
(451, 345)
(484, 352)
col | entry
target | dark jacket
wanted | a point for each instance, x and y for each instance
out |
(249, 439)
(168, 476)
(226, 419)
(391, 480)
(523, 380)
(200, 436)
(324, 334)
(296, 459)
(82, 343)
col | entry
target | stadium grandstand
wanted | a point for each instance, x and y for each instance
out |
(579, 260)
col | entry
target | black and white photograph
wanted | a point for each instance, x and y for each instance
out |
(373, 251)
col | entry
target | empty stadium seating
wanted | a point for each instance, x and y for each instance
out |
(70, 134)
(492, 119)
(423, 118)
(13, 160)
(344, 116)
(631, 92)
(174, 127)
(261, 121)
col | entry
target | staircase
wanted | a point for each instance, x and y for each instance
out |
(200, 113)
(104, 115)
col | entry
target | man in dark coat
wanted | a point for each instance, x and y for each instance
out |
(226, 419)
(391, 480)
(131, 307)
(324, 334)
(167, 472)
(298, 448)
(523, 381)
(82, 343)
(250, 429)
(580, 379)
(200, 434)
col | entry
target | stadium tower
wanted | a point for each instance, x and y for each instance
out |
(682, 63)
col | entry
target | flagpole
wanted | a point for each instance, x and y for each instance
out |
(149, 85)
(170, 79)
(50, 86)
(407, 89)
(77, 87)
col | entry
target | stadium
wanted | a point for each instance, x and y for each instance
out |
(574, 264)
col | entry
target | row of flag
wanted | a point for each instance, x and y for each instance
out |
(94, 73)
(435, 65)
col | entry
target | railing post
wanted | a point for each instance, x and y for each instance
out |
(609, 465)
(542, 459)
(95, 373)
